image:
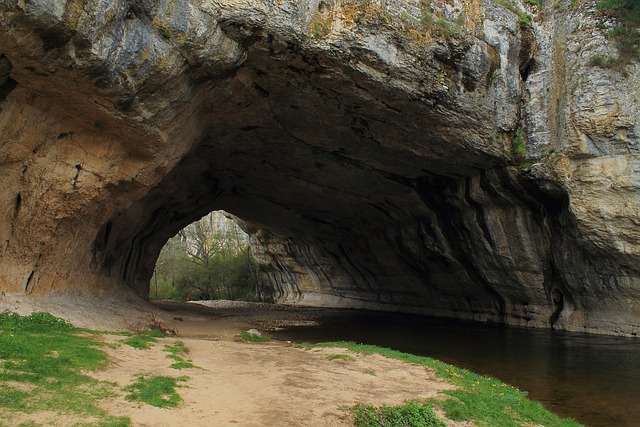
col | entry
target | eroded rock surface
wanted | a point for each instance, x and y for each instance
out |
(368, 146)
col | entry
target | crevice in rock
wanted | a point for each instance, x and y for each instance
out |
(53, 38)
(6, 88)
(102, 238)
(26, 285)
(528, 46)
(557, 298)
(32, 280)
(17, 205)
(74, 181)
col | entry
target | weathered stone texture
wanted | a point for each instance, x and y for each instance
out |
(366, 145)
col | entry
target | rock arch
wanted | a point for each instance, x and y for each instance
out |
(372, 156)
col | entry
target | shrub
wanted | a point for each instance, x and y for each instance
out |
(412, 414)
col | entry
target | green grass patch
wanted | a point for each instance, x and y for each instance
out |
(517, 144)
(370, 372)
(176, 351)
(605, 61)
(42, 360)
(246, 336)
(336, 356)
(524, 19)
(159, 391)
(143, 340)
(481, 399)
(320, 27)
(414, 414)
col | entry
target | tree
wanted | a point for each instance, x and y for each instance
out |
(209, 259)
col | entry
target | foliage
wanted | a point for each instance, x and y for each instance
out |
(481, 399)
(439, 26)
(143, 341)
(412, 414)
(524, 19)
(627, 32)
(176, 351)
(517, 144)
(41, 363)
(339, 357)
(249, 337)
(366, 12)
(320, 27)
(159, 391)
(605, 61)
(209, 259)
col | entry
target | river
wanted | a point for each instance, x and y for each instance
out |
(593, 379)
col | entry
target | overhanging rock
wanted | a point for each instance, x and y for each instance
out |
(446, 158)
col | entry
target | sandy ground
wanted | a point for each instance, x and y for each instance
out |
(259, 384)
(237, 383)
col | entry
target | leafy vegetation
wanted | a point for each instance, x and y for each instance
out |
(42, 360)
(439, 26)
(339, 357)
(517, 144)
(481, 399)
(159, 391)
(626, 33)
(176, 351)
(320, 27)
(524, 19)
(605, 61)
(249, 337)
(143, 340)
(366, 12)
(412, 414)
(208, 259)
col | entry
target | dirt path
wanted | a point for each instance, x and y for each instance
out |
(270, 384)
(259, 384)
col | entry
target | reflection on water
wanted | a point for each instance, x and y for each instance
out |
(594, 379)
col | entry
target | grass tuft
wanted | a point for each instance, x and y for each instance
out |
(176, 351)
(159, 391)
(339, 357)
(517, 144)
(143, 340)
(253, 337)
(412, 414)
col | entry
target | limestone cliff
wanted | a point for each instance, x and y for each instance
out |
(445, 157)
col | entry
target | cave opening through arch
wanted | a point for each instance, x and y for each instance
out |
(208, 259)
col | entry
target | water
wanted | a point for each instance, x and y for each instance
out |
(594, 379)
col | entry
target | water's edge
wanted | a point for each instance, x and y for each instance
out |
(591, 378)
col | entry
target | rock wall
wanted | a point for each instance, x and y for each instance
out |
(443, 158)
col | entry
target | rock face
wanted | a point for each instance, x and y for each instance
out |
(440, 158)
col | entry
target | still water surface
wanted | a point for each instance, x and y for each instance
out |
(594, 379)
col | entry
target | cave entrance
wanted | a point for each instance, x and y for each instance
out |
(208, 259)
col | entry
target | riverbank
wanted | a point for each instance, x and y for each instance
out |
(224, 380)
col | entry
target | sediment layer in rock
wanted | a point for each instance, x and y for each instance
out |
(446, 159)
